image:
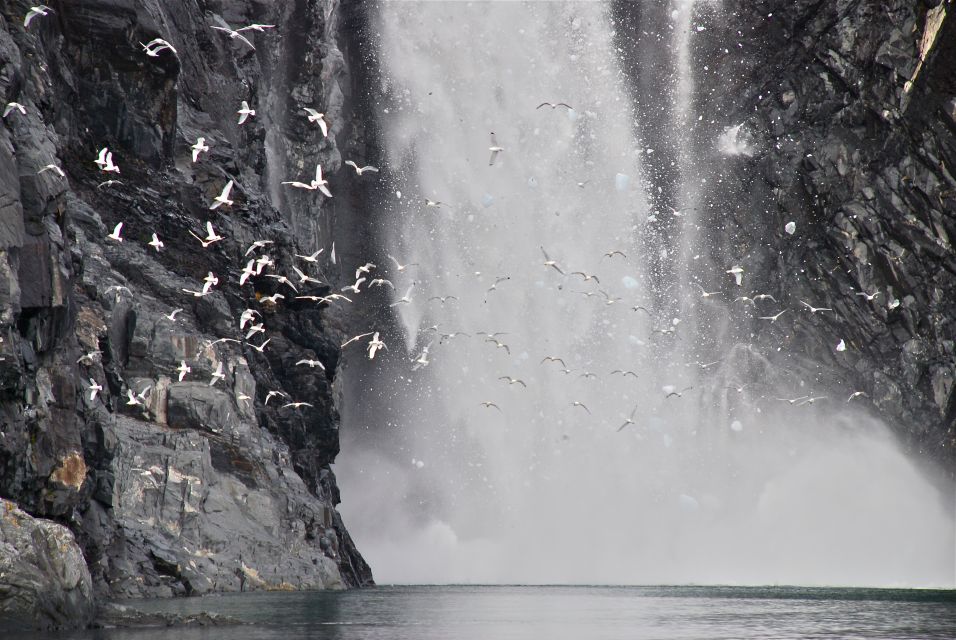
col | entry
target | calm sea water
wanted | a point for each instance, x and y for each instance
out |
(549, 613)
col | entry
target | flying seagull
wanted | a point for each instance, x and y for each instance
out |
(494, 149)
(223, 198)
(360, 170)
(235, 35)
(244, 112)
(319, 118)
(11, 106)
(38, 10)
(555, 105)
(199, 147)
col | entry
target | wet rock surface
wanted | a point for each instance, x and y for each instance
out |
(197, 487)
(838, 117)
(44, 582)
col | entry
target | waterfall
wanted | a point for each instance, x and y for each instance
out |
(536, 488)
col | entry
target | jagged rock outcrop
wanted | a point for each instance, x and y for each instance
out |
(841, 118)
(44, 581)
(201, 487)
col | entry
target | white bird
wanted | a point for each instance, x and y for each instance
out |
(317, 183)
(258, 244)
(303, 278)
(494, 149)
(630, 419)
(116, 232)
(674, 392)
(94, 389)
(772, 318)
(360, 170)
(223, 198)
(704, 293)
(247, 272)
(211, 279)
(841, 346)
(332, 254)
(548, 262)
(55, 169)
(108, 183)
(282, 280)
(199, 147)
(381, 282)
(365, 268)
(487, 404)
(856, 394)
(11, 106)
(319, 118)
(245, 112)
(580, 404)
(586, 276)
(422, 360)
(792, 401)
(553, 359)
(374, 345)
(260, 348)
(274, 394)
(615, 252)
(354, 339)
(171, 316)
(311, 363)
(443, 299)
(38, 10)
(405, 299)
(156, 243)
(235, 35)
(156, 46)
(811, 400)
(296, 405)
(764, 296)
(555, 105)
(198, 294)
(433, 203)
(312, 257)
(183, 369)
(869, 297)
(262, 262)
(737, 273)
(512, 381)
(261, 28)
(217, 375)
(247, 316)
(211, 236)
(132, 399)
(105, 161)
(354, 288)
(399, 267)
(814, 309)
(273, 299)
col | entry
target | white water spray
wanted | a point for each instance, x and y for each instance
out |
(537, 489)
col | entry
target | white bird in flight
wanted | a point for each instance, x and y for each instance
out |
(156, 243)
(548, 262)
(258, 244)
(217, 375)
(38, 10)
(245, 112)
(211, 236)
(319, 118)
(494, 149)
(314, 257)
(116, 232)
(223, 198)
(199, 147)
(814, 309)
(94, 389)
(360, 170)
(374, 345)
(183, 369)
(156, 46)
(399, 267)
(55, 169)
(311, 363)
(405, 299)
(738, 274)
(247, 272)
(235, 35)
(261, 28)
(317, 183)
(11, 106)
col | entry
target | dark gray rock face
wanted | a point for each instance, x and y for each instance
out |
(44, 581)
(847, 127)
(202, 487)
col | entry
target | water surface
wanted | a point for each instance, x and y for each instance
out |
(538, 613)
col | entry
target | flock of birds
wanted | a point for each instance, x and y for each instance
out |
(259, 263)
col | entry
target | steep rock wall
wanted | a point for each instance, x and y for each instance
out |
(199, 489)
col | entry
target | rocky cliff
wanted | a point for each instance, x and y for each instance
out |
(172, 486)
(841, 118)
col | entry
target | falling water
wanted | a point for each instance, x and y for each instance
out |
(536, 488)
